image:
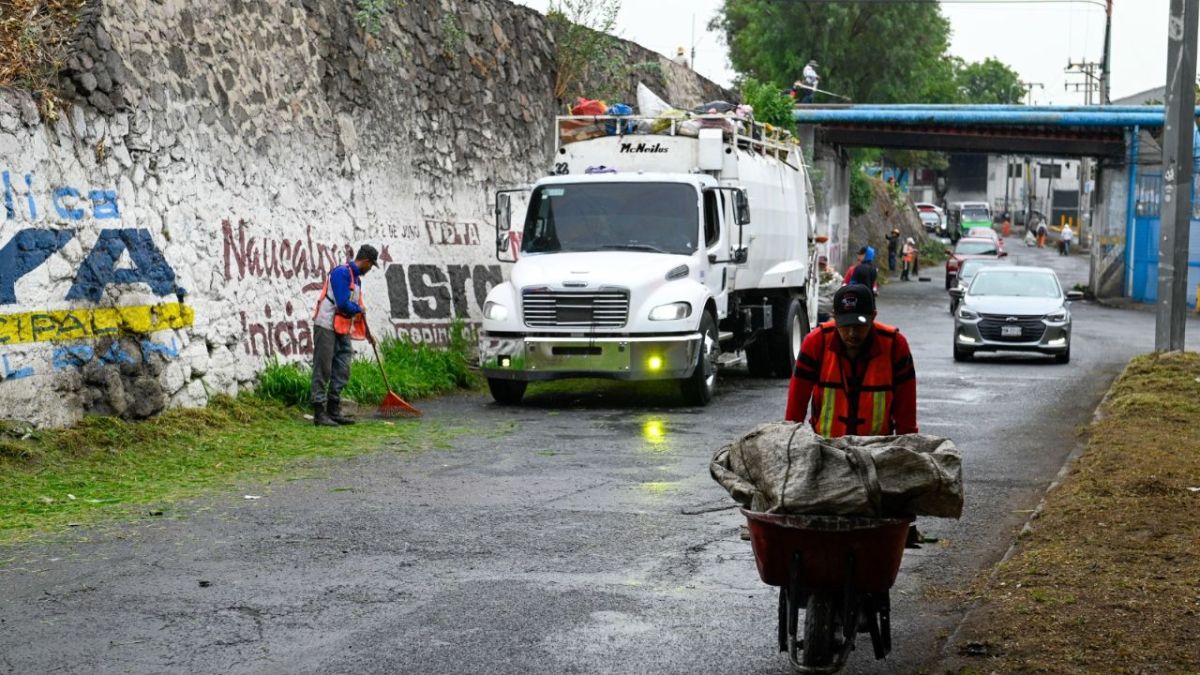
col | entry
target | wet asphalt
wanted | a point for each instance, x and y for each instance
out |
(574, 534)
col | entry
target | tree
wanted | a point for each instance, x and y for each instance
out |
(871, 52)
(989, 81)
(583, 42)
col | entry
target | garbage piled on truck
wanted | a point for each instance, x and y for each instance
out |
(592, 118)
(787, 468)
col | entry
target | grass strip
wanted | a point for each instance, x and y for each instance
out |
(1108, 579)
(106, 468)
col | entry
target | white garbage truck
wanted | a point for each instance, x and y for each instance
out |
(654, 250)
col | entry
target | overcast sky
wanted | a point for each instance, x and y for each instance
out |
(1037, 40)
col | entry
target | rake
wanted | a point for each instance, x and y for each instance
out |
(393, 405)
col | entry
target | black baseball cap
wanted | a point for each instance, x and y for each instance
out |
(853, 305)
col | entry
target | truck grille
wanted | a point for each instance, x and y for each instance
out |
(606, 308)
(991, 327)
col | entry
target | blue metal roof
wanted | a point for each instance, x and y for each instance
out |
(1013, 116)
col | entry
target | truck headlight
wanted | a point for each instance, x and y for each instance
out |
(495, 311)
(672, 312)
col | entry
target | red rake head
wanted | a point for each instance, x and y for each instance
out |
(394, 406)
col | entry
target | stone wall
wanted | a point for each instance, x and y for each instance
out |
(166, 233)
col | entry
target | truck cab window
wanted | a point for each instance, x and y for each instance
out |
(712, 219)
(610, 216)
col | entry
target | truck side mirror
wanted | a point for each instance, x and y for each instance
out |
(503, 212)
(741, 255)
(506, 241)
(743, 208)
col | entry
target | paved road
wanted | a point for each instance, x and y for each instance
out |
(560, 542)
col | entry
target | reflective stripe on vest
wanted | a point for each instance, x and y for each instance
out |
(865, 412)
(354, 326)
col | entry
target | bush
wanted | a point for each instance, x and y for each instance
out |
(860, 190)
(932, 251)
(770, 104)
(413, 370)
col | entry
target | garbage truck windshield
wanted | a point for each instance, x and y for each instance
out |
(651, 217)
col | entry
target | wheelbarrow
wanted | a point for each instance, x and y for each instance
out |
(839, 569)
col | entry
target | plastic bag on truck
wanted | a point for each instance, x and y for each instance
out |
(662, 123)
(613, 127)
(587, 106)
(649, 103)
(786, 467)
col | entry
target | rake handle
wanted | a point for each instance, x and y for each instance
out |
(374, 348)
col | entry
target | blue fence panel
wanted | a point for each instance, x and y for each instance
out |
(1147, 225)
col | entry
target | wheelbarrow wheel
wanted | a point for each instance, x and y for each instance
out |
(819, 629)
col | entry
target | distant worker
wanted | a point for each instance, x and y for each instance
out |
(910, 257)
(893, 244)
(1068, 235)
(810, 81)
(680, 57)
(855, 376)
(1041, 234)
(340, 317)
(863, 272)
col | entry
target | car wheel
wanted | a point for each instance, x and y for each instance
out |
(962, 354)
(1064, 357)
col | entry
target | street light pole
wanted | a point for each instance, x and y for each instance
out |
(1179, 133)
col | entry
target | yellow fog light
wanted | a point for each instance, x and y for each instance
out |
(654, 363)
(505, 361)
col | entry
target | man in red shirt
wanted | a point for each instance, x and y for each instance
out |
(858, 374)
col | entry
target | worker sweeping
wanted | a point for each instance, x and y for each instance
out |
(339, 318)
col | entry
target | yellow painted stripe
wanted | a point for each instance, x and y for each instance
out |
(93, 322)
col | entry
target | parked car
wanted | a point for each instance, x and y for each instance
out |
(1013, 309)
(969, 248)
(967, 271)
(932, 217)
(986, 233)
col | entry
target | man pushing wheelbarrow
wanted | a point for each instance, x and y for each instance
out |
(829, 502)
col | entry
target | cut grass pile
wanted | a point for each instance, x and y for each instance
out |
(104, 467)
(34, 37)
(414, 371)
(1108, 579)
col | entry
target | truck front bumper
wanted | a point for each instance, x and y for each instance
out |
(660, 357)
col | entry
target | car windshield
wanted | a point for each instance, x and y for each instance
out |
(929, 217)
(651, 217)
(1015, 284)
(975, 214)
(975, 248)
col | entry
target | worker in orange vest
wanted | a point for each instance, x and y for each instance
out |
(339, 318)
(857, 373)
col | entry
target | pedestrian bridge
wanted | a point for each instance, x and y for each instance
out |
(1124, 139)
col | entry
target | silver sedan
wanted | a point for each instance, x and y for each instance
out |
(1013, 309)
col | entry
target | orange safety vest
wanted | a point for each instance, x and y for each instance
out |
(843, 407)
(354, 326)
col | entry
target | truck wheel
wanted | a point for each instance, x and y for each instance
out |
(786, 339)
(507, 392)
(699, 388)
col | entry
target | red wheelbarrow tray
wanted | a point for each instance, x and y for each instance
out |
(823, 543)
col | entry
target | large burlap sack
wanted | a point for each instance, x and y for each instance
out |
(787, 468)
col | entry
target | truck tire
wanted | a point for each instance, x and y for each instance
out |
(507, 392)
(698, 389)
(786, 339)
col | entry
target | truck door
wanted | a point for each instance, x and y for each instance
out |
(718, 217)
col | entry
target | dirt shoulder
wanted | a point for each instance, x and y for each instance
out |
(1108, 580)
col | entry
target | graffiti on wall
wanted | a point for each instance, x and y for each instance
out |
(117, 257)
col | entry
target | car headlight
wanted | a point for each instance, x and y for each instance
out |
(495, 311)
(967, 315)
(1057, 317)
(671, 312)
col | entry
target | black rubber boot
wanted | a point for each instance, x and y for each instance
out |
(335, 414)
(321, 418)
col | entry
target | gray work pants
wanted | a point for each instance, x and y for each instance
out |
(331, 365)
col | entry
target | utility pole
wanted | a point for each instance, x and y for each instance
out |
(1091, 81)
(1028, 88)
(1178, 161)
(1106, 62)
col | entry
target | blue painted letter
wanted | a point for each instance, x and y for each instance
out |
(24, 252)
(64, 212)
(99, 268)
